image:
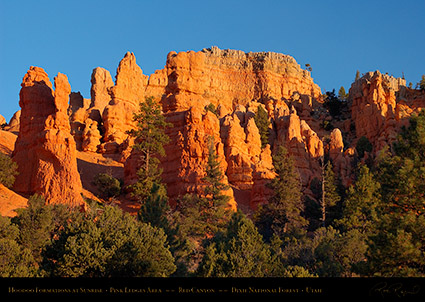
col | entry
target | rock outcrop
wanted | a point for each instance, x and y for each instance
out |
(10, 201)
(341, 160)
(45, 150)
(13, 125)
(101, 83)
(126, 94)
(226, 78)
(186, 154)
(373, 108)
(7, 142)
(236, 83)
(303, 144)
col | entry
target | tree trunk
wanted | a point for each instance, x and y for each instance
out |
(323, 203)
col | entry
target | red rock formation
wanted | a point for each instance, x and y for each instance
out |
(341, 160)
(187, 154)
(10, 201)
(230, 80)
(303, 144)
(373, 107)
(263, 172)
(7, 142)
(229, 77)
(45, 149)
(13, 125)
(128, 92)
(101, 82)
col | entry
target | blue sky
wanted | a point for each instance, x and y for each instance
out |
(335, 37)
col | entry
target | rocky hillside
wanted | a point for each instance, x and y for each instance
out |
(64, 139)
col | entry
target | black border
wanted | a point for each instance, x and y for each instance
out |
(403, 288)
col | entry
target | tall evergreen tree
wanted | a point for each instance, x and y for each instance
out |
(362, 205)
(262, 122)
(330, 196)
(210, 210)
(282, 215)
(150, 139)
(200, 217)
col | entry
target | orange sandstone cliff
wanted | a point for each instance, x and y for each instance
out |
(52, 125)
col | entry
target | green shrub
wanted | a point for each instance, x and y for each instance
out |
(211, 107)
(107, 185)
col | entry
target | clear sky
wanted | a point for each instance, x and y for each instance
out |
(335, 37)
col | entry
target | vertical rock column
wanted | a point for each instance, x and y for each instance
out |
(45, 150)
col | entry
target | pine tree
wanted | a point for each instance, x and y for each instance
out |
(396, 247)
(150, 139)
(241, 252)
(330, 196)
(342, 95)
(363, 145)
(262, 122)
(155, 208)
(282, 214)
(362, 205)
(214, 203)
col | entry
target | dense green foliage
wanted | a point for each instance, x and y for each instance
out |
(262, 122)
(109, 243)
(239, 252)
(8, 170)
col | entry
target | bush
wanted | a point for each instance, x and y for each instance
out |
(8, 170)
(107, 185)
(109, 244)
(211, 107)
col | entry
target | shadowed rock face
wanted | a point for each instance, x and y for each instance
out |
(45, 150)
